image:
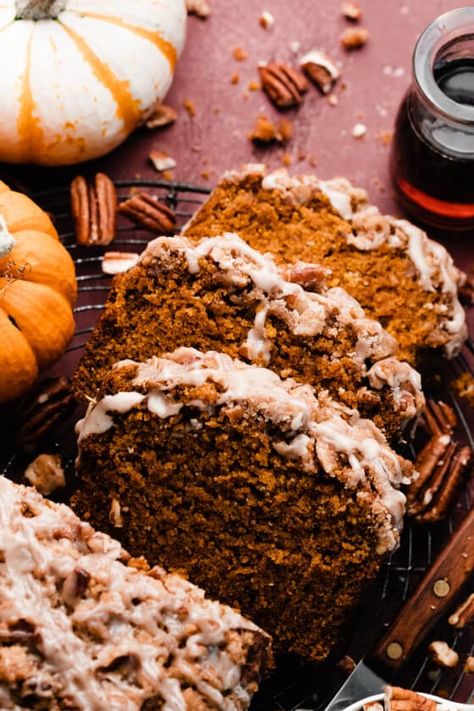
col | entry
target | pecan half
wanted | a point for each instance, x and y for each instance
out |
(440, 464)
(52, 401)
(284, 85)
(146, 211)
(93, 206)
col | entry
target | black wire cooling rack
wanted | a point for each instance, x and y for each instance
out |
(292, 686)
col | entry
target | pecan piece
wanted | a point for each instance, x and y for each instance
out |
(159, 115)
(52, 401)
(200, 8)
(320, 69)
(161, 160)
(46, 473)
(442, 654)
(93, 206)
(75, 585)
(118, 262)
(351, 11)
(284, 85)
(147, 212)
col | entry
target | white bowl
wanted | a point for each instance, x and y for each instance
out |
(448, 705)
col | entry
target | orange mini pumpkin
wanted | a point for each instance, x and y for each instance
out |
(37, 293)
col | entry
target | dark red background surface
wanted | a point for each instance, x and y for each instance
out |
(373, 82)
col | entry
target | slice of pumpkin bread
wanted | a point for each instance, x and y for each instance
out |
(271, 499)
(85, 626)
(400, 277)
(223, 295)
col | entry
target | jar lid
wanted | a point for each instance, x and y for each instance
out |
(451, 34)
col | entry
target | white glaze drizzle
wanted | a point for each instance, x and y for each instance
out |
(122, 613)
(433, 264)
(319, 431)
(309, 311)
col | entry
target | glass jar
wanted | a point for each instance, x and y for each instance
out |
(432, 156)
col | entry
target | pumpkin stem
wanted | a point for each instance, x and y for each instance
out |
(7, 242)
(38, 9)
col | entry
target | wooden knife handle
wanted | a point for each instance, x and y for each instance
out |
(433, 597)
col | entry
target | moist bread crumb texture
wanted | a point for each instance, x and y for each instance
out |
(400, 277)
(85, 626)
(273, 500)
(221, 294)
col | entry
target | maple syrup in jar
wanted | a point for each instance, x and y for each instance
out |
(432, 157)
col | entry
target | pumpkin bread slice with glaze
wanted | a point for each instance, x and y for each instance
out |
(271, 499)
(223, 295)
(85, 626)
(400, 277)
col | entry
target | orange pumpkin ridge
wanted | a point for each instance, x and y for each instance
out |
(152, 36)
(128, 108)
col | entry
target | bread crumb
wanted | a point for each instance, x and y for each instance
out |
(333, 100)
(359, 130)
(385, 137)
(354, 38)
(239, 54)
(254, 85)
(265, 132)
(235, 78)
(190, 107)
(168, 175)
(295, 46)
(286, 160)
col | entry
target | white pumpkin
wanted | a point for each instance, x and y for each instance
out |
(77, 76)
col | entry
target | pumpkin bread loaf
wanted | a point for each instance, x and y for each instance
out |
(84, 626)
(223, 295)
(400, 277)
(271, 499)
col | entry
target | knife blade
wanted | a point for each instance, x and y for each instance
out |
(432, 598)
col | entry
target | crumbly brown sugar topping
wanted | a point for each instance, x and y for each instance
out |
(369, 230)
(319, 432)
(306, 313)
(103, 635)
